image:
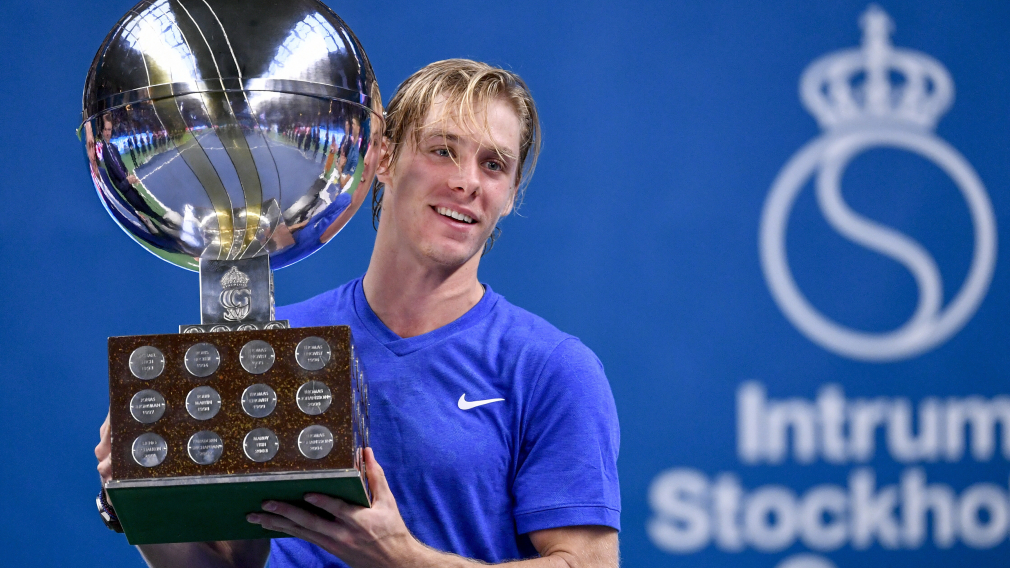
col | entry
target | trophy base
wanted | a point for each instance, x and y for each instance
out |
(210, 508)
(206, 426)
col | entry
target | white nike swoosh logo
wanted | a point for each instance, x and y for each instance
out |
(463, 404)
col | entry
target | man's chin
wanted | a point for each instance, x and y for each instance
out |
(451, 256)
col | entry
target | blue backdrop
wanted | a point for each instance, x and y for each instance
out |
(803, 318)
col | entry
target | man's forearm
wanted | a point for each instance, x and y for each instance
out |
(436, 559)
(225, 554)
(572, 547)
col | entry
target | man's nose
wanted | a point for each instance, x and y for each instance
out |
(467, 176)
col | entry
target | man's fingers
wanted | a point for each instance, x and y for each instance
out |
(104, 430)
(299, 516)
(285, 525)
(103, 451)
(105, 469)
(376, 477)
(336, 507)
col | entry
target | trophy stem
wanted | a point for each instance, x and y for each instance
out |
(235, 292)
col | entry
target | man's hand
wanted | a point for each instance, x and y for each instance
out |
(103, 451)
(132, 179)
(362, 537)
(378, 538)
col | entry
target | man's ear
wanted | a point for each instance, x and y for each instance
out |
(385, 170)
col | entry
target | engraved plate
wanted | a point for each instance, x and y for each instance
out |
(312, 353)
(149, 449)
(200, 328)
(314, 398)
(147, 362)
(315, 442)
(259, 400)
(205, 447)
(257, 357)
(202, 360)
(203, 403)
(260, 445)
(147, 406)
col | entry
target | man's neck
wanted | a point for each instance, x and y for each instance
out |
(413, 298)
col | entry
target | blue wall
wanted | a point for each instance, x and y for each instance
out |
(666, 126)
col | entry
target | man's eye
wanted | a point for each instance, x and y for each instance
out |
(494, 166)
(444, 152)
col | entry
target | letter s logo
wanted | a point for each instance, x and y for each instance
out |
(852, 96)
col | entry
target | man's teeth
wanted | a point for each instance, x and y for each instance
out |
(454, 214)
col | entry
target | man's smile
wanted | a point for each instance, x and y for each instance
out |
(452, 214)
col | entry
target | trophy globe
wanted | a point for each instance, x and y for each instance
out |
(231, 136)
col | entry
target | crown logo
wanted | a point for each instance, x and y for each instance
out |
(234, 278)
(877, 82)
(235, 295)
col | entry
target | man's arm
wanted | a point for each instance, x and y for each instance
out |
(377, 537)
(227, 554)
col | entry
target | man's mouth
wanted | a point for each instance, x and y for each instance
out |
(446, 212)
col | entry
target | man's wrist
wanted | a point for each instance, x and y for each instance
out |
(107, 512)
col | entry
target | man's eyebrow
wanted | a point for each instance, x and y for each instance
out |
(506, 153)
(453, 137)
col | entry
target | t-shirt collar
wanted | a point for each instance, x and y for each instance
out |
(406, 345)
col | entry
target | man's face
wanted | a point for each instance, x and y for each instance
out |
(107, 130)
(444, 195)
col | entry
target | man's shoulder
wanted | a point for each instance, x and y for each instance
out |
(322, 309)
(531, 332)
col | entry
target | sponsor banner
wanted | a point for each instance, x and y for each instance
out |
(914, 468)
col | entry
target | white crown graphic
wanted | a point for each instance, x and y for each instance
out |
(877, 82)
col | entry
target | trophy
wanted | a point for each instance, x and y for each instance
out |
(232, 138)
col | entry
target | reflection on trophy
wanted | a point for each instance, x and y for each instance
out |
(232, 137)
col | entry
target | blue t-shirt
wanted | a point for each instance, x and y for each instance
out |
(475, 481)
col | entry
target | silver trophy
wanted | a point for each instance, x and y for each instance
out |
(231, 137)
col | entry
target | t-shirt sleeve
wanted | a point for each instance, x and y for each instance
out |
(567, 469)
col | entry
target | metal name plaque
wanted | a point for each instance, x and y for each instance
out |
(147, 406)
(147, 362)
(205, 447)
(259, 400)
(312, 353)
(260, 445)
(315, 442)
(203, 403)
(257, 356)
(314, 398)
(202, 360)
(245, 326)
(149, 449)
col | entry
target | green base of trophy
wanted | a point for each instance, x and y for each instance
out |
(200, 509)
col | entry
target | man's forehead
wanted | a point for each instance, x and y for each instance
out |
(494, 125)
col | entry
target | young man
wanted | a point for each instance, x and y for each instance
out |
(497, 433)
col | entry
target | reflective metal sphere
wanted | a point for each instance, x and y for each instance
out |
(228, 129)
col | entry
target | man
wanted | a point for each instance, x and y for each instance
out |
(125, 181)
(498, 432)
(352, 152)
